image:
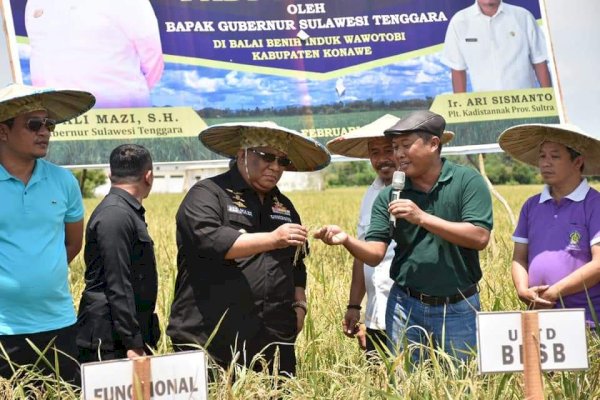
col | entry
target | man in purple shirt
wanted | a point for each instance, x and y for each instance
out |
(556, 260)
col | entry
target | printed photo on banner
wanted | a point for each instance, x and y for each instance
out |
(322, 68)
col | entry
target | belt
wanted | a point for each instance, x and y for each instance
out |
(441, 300)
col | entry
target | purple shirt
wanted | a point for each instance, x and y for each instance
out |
(559, 238)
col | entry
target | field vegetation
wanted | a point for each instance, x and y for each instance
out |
(331, 366)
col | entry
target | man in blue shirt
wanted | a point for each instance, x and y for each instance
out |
(41, 230)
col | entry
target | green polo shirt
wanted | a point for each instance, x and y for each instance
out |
(424, 261)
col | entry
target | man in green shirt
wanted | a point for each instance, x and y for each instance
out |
(443, 218)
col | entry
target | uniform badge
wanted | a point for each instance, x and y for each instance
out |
(239, 204)
(236, 198)
(279, 208)
(574, 239)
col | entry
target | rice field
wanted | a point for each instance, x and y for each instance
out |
(331, 366)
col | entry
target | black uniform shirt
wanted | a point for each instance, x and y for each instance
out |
(241, 295)
(117, 305)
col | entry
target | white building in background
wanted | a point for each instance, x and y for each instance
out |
(179, 177)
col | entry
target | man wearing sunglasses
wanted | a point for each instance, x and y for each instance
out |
(241, 275)
(41, 231)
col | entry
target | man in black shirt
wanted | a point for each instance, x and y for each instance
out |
(116, 315)
(237, 239)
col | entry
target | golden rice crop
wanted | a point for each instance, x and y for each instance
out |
(331, 366)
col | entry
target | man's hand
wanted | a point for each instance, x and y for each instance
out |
(548, 298)
(135, 353)
(361, 336)
(350, 322)
(534, 297)
(406, 209)
(331, 235)
(289, 235)
(300, 315)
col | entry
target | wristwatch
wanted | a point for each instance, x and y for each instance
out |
(300, 304)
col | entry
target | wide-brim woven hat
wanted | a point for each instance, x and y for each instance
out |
(305, 153)
(523, 143)
(355, 143)
(61, 105)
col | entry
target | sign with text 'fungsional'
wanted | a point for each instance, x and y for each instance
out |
(563, 344)
(174, 376)
(319, 67)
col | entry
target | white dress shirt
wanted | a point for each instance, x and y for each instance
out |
(110, 48)
(377, 279)
(497, 51)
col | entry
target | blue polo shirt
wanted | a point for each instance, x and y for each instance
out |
(34, 285)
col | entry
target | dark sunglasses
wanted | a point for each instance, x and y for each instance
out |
(35, 124)
(270, 157)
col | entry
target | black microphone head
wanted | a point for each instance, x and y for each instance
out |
(398, 180)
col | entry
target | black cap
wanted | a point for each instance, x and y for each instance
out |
(419, 121)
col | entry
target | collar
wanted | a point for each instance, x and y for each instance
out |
(125, 195)
(445, 175)
(576, 195)
(378, 183)
(4, 175)
(39, 172)
(475, 10)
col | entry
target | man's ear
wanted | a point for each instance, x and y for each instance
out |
(149, 176)
(241, 154)
(435, 143)
(4, 132)
(579, 161)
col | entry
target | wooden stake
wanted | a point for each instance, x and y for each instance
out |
(532, 366)
(142, 379)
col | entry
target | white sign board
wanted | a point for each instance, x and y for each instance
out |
(563, 344)
(174, 376)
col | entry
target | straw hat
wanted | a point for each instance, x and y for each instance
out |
(355, 143)
(61, 105)
(306, 154)
(523, 143)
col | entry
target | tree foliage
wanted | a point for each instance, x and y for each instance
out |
(501, 169)
(93, 179)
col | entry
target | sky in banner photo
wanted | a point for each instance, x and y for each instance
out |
(321, 68)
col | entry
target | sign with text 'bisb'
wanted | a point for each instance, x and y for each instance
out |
(173, 376)
(563, 344)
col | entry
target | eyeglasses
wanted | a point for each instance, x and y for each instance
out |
(35, 124)
(270, 157)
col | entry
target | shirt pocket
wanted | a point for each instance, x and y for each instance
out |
(241, 223)
(143, 253)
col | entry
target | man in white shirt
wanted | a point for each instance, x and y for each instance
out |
(369, 142)
(110, 48)
(500, 45)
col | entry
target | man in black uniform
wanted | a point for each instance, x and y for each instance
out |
(237, 238)
(116, 315)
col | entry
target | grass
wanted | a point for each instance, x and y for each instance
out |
(331, 366)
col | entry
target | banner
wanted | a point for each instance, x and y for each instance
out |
(322, 68)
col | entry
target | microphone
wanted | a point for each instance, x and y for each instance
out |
(397, 186)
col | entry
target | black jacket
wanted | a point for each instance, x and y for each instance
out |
(240, 296)
(117, 305)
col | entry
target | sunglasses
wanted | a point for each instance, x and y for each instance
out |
(270, 157)
(35, 124)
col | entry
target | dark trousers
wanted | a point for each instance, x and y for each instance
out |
(58, 341)
(93, 355)
(376, 337)
(264, 343)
